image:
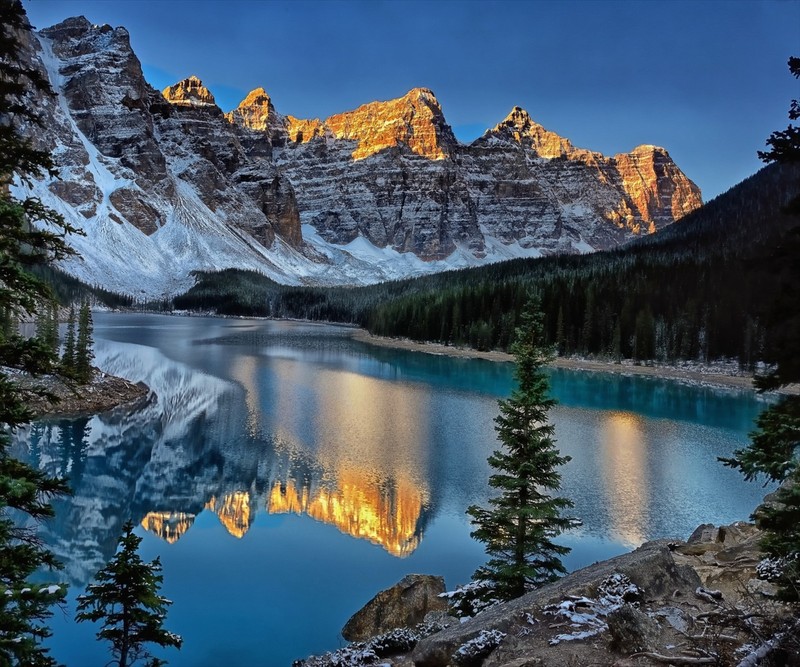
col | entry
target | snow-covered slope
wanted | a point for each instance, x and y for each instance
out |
(166, 184)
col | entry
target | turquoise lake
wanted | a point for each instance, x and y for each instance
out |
(285, 473)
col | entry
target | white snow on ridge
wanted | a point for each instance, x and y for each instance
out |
(121, 258)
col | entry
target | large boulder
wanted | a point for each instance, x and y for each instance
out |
(402, 606)
(651, 568)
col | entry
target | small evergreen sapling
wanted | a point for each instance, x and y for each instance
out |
(68, 356)
(126, 602)
(519, 527)
(83, 346)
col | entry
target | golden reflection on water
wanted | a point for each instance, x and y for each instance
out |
(626, 486)
(370, 442)
(387, 516)
(233, 510)
(245, 371)
(169, 526)
(368, 424)
(367, 439)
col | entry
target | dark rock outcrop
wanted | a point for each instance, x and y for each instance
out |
(651, 567)
(404, 605)
(66, 399)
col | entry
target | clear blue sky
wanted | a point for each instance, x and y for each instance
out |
(705, 79)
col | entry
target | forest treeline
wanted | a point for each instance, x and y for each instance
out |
(695, 290)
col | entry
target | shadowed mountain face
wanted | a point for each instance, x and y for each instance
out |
(164, 183)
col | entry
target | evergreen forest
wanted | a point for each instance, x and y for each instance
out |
(700, 289)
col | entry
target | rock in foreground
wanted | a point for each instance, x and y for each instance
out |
(651, 568)
(684, 603)
(404, 605)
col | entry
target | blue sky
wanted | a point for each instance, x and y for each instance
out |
(707, 80)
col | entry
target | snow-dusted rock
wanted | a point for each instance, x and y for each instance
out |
(651, 568)
(165, 183)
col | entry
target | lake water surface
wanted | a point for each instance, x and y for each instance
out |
(284, 474)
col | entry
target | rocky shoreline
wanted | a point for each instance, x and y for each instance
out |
(105, 392)
(716, 375)
(699, 602)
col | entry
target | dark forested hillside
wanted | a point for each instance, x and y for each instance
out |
(67, 289)
(694, 290)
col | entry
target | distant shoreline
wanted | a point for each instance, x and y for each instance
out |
(701, 375)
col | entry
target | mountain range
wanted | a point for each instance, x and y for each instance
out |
(166, 183)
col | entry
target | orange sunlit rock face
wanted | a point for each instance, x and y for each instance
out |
(384, 515)
(520, 127)
(189, 93)
(653, 181)
(233, 510)
(301, 130)
(169, 526)
(256, 112)
(414, 120)
(653, 185)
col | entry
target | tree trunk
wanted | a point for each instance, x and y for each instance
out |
(519, 547)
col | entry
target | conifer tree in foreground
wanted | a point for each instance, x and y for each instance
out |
(519, 527)
(774, 449)
(126, 602)
(30, 234)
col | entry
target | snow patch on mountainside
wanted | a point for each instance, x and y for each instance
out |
(163, 190)
(117, 255)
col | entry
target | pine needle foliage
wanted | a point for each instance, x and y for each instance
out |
(30, 234)
(68, 356)
(125, 600)
(774, 449)
(521, 522)
(83, 346)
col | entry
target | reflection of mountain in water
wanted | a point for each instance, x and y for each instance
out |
(388, 514)
(356, 442)
(169, 526)
(200, 443)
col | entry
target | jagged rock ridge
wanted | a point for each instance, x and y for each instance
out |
(165, 183)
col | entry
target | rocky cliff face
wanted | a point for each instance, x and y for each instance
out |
(519, 128)
(359, 174)
(189, 93)
(165, 183)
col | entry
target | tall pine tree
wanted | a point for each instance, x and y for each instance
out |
(83, 346)
(774, 449)
(68, 356)
(519, 526)
(30, 234)
(126, 602)
(47, 326)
